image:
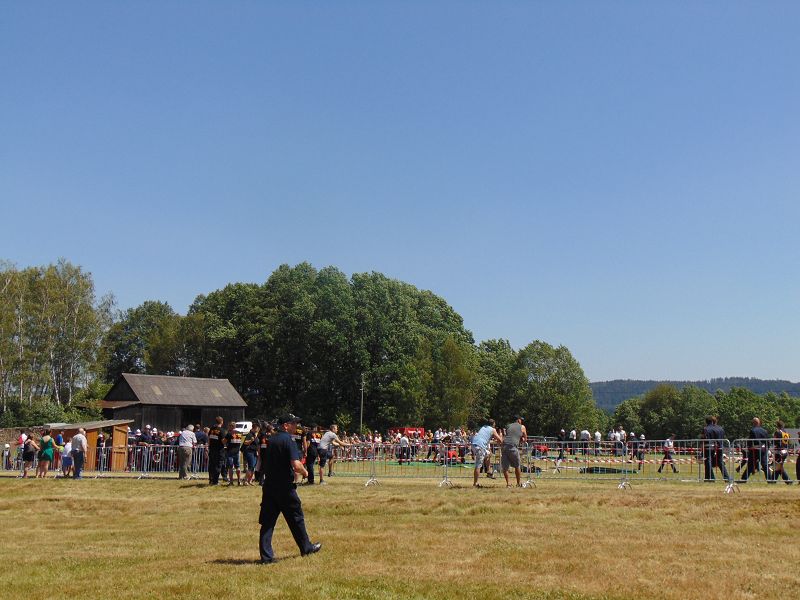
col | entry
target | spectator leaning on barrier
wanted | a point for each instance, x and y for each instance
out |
(481, 442)
(279, 493)
(509, 457)
(186, 443)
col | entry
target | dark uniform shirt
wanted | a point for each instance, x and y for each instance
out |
(758, 433)
(278, 469)
(263, 444)
(714, 432)
(216, 435)
(233, 442)
(250, 444)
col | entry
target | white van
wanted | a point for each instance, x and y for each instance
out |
(243, 427)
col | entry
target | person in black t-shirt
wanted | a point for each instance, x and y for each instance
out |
(263, 443)
(233, 446)
(250, 452)
(279, 493)
(216, 456)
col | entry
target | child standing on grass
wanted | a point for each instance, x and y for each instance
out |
(66, 459)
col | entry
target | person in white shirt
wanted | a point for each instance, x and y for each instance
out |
(405, 449)
(79, 448)
(66, 460)
(186, 443)
(330, 439)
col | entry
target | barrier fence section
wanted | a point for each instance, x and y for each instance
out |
(757, 460)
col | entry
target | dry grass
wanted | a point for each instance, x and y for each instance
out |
(168, 539)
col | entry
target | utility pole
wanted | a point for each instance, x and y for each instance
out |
(361, 420)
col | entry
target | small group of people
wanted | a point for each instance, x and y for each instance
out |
(43, 453)
(756, 454)
(515, 434)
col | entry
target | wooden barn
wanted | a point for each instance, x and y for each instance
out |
(170, 403)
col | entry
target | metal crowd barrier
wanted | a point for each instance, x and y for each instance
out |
(542, 459)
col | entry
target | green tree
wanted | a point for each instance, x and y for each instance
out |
(551, 390)
(628, 414)
(496, 359)
(128, 340)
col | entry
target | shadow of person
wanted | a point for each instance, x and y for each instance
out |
(236, 561)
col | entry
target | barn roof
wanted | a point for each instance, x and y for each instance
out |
(176, 391)
(90, 425)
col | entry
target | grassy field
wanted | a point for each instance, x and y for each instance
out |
(121, 538)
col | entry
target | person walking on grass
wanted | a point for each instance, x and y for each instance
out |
(279, 493)
(757, 451)
(327, 445)
(516, 434)
(481, 443)
(714, 436)
(669, 450)
(780, 454)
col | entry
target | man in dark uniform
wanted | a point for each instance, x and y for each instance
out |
(714, 457)
(279, 494)
(216, 456)
(757, 450)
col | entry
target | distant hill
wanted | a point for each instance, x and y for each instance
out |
(607, 394)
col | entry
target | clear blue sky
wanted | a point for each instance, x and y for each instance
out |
(618, 177)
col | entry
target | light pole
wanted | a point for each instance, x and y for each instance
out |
(361, 419)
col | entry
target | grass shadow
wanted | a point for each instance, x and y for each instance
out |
(236, 561)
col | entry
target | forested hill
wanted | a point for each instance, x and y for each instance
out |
(607, 394)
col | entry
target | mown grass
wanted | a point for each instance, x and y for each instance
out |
(124, 538)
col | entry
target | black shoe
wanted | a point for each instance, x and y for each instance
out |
(314, 549)
(268, 561)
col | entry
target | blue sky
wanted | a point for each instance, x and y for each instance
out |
(617, 177)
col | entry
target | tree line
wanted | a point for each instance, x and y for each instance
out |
(51, 338)
(312, 341)
(667, 409)
(608, 394)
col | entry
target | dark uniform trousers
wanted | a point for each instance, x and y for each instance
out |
(757, 458)
(216, 465)
(275, 502)
(715, 459)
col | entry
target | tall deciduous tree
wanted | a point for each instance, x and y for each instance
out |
(551, 390)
